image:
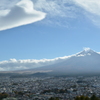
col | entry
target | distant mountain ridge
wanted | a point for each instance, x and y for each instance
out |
(87, 61)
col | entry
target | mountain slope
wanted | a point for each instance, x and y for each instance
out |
(86, 61)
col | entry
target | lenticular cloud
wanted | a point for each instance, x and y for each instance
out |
(21, 14)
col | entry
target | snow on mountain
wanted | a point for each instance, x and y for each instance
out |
(86, 52)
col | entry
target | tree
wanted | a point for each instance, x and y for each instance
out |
(93, 97)
(87, 98)
(3, 95)
(77, 98)
(82, 97)
(52, 98)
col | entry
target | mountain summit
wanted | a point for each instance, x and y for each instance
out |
(86, 51)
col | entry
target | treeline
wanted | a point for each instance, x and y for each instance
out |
(93, 97)
(55, 91)
(3, 95)
(54, 98)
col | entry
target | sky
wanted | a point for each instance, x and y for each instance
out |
(39, 31)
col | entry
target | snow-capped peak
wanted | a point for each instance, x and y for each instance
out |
(85, 52)
(87, 49)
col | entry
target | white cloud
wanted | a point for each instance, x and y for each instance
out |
(14, 64)
(98, 52)
(91, 8)
(63, 12)
(58, 11)
(20, 14)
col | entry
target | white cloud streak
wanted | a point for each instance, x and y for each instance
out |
(63, 12)
(14, 64)
(20, 14)
(91, 8)
(58, 11)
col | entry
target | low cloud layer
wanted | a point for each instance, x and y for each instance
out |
(20, 14)
(14, 64)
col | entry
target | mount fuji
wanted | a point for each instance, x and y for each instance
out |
(87, 61)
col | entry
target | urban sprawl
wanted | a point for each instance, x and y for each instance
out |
(43, 88)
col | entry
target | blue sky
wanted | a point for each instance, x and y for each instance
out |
(48, 29)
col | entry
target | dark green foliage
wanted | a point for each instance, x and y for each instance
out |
(19, 93)
(87, 98)
(54, 91)
(54, 98)
(93, 97)
(3, 95)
